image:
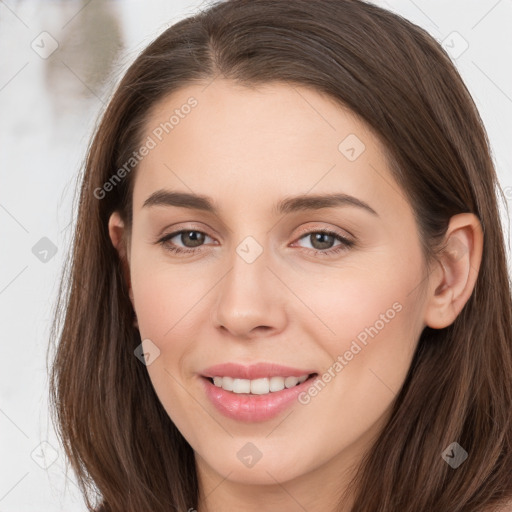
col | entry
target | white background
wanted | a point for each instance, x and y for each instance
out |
(48, 108)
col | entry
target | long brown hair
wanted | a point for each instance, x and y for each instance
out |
(125, 451)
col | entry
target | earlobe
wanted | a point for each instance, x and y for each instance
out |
(455, 278)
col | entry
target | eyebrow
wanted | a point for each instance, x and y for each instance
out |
(305, 202)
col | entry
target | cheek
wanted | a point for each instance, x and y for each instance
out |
(168, 302)
(373, 324)
(165, 295)
(350, 302)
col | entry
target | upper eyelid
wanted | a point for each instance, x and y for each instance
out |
(334, 231)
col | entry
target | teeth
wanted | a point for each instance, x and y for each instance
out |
(258, 386)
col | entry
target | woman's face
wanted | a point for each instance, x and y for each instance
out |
(258, 283)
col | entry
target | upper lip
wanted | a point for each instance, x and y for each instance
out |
(253, 371)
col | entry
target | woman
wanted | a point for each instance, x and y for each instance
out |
(288, 285)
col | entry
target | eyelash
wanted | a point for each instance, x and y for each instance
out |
(343, 246)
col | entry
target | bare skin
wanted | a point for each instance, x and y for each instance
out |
(248, 149)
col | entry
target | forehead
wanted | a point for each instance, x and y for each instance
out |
(255, 144)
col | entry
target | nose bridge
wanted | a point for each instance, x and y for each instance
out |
(248, 296)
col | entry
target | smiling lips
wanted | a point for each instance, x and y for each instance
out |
(258, 386)
(254, 393)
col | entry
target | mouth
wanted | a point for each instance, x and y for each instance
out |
(255, 400)
(260, 386)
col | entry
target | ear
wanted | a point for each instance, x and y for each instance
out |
(120, 240)
(459, 263)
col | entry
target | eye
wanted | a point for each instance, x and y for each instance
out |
(322, 242)
(191, 239)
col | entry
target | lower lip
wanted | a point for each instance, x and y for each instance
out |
(253, 408)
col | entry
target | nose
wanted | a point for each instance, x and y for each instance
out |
(250, 301)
